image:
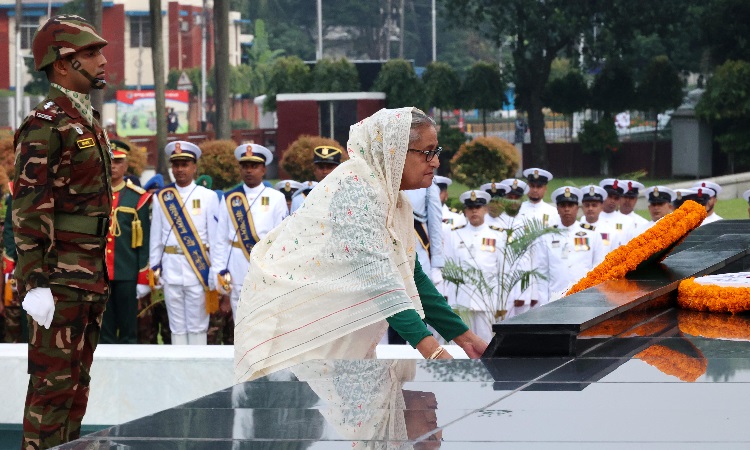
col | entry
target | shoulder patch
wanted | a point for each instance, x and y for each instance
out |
(49, 116)
(134, 187)
(493, 227)
(454, 210)
(581, 233)
(458, 227)
(587, 226)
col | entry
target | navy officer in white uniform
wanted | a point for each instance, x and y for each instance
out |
(565, 258)
(246, 214)
(535, 207)
(183, 229)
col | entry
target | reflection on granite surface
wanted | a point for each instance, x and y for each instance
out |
(666, 379)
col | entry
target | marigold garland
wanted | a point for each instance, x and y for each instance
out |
(714, 326)
(660, 236)
(671, 362)
(701, 297)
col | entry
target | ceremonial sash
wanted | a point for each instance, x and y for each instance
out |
(187, 236)
(242, 219)
(422, 236)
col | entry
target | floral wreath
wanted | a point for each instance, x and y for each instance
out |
(667, 231)
(713, 298)
(714, 326)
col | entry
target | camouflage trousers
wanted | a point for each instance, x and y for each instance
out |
(15, 321)
(221, 326)
(59, 362)
(150, 321)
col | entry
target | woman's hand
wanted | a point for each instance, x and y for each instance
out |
(429, 345)
(472, 344)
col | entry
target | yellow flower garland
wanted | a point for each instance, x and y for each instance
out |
(699, 297)
(660, 236)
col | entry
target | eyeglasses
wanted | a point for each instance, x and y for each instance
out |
(428, 154)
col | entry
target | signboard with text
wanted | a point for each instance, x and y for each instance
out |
(137, 116)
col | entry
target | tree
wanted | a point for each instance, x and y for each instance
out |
(157, 58)
(600, 138)
(39, 84)
(221, 69)
(288, 74)
(441, 86)
(724, 32)
(485, 159)
(539, 31)
(726, 106)
(400, 84)
(567, 95)
(331, 75)
(613, 90)
(484, 89)
(660, 89)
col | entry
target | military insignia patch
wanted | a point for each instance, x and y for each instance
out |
(581, 233)
(236, 202)
(169, 196)
(85, 143)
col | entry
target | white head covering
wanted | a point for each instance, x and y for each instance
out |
(342, 262)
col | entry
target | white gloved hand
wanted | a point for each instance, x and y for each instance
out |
(142, 290)
(436, 276)
(40, 305)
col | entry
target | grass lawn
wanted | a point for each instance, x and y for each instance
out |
(728, 209)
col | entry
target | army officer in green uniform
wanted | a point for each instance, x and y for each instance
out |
(127, 252)
(62, 200)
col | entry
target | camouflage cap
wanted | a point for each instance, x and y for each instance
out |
(62, 36)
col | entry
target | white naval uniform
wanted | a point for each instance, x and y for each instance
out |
(618, 225)
(465, 247)
(453, 219)
(562, 262)
(611, 237)
(639, 224)
(184, 295)
(516, 223)
(428, 210)
(712, 218)
(265, 218)
(544, 212)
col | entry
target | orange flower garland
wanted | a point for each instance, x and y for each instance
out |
(714, 326)
(671, 362)
(700, 297)
(660, 236)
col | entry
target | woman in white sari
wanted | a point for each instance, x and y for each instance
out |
(326, 282)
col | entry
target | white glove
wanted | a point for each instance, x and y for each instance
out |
(40, 305)
(142, 290)
(436, 276)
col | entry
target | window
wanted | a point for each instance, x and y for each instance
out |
(140, 31)
(28, 28)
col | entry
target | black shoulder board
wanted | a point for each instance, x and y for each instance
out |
(588, 226)
(458, 227)
(493, 227)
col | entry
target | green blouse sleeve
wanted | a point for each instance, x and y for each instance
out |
(437, 313)
(436, 309)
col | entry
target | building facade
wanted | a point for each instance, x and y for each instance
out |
(126, 26)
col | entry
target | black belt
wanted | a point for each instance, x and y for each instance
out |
(74, 223)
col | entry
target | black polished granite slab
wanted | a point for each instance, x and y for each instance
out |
(656, 379)
(554, 328)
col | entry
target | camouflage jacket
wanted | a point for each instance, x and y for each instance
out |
(62, 198)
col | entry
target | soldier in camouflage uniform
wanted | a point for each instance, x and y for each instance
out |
(15, 317)
(61, 205)
(127, 252)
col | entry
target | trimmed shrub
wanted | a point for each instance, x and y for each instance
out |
(219, 163)
(483, 160)
(298, 158)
